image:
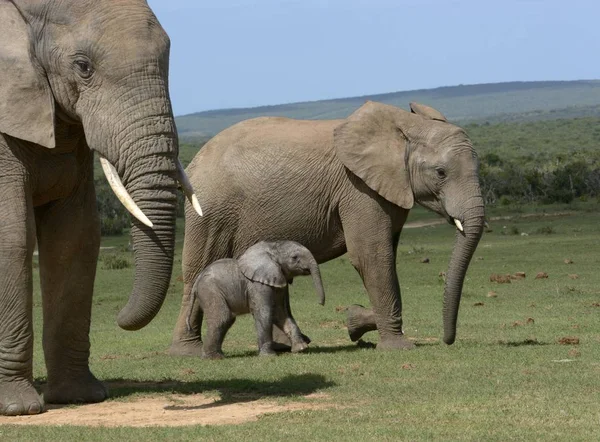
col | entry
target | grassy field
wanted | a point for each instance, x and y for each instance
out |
(510, 375)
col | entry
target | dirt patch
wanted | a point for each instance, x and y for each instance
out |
(569, 340)
(174, 410)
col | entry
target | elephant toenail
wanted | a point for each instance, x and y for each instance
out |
(12, 410)
(35, 408)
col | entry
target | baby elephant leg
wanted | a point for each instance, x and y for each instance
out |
(281, 338)
(285, 321)
(219, 320)
(262, 310)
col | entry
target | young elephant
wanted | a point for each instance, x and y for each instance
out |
(255, 283)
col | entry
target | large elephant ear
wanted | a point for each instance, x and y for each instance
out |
(370, 143)
(26, 102)
(257, 264)
(427, 112)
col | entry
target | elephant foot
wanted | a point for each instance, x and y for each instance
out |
(19, 398)
(282, 342)
(395, 342)
(299, 347)
(73, 389)
(267, 351)
(186, 347)
(213, 355)
(359, 321)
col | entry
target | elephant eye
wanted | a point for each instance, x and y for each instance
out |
(441, 173)
(84, 68)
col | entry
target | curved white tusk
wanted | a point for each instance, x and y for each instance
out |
(119, 189)
(458, 224)
(187, 188)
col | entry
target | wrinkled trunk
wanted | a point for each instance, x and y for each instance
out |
(153, 187)
(142, 148)
(464, 247)
(316, 276)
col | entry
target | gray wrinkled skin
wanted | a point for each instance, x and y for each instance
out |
(77, 77)
(255, 283)
(335, 186)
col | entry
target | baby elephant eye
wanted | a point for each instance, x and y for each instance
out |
(84, 68)
(441, 173)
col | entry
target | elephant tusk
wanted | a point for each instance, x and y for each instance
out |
(119, 189)
(458, 225)
(187, 188)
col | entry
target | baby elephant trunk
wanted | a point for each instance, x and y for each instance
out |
(316, 276)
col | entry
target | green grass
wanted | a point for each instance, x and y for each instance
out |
(501, 380)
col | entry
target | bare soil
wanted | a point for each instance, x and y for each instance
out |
(171, 410)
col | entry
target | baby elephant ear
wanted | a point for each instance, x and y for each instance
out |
(258, 265)
(427, 112)
(26, 102)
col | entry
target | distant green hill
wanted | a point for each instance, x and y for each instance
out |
(495, 102)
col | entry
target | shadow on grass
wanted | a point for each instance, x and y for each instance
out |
(524, 342)
(435, 343)
(230, 391)
(312, 349)
(360, 345)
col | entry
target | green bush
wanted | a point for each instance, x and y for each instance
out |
(547, 161)
(114, 218)
(115, 262)
(546, 230)
(112, 226)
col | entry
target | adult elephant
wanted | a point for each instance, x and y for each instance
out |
(78, 77)
(335, 186)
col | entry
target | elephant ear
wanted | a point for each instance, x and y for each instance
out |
(370, 143)
(26, 102)
(427, 112)
(258, 265)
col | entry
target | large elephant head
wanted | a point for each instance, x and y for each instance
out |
(102, 66)
(418, 156)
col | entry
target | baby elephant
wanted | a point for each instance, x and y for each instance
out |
(257, 283)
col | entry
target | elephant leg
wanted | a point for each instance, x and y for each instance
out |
(285, 322)
(17, 230)
(187, 340)
(69, 241)
(372, 251)
(264, 331)
(263, 309)
(359, 321)
(219, 320)
(281, 339)
(199, 245)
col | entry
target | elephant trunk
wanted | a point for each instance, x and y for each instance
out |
(154, 191)
(464, 248)
(318, 282)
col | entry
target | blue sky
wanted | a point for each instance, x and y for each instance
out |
(241, 53)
